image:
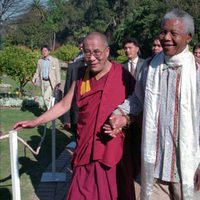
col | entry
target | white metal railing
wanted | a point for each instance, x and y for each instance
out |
(16, 192)
(52, 176)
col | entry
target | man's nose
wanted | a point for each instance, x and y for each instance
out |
(91, 57)
(167, 36)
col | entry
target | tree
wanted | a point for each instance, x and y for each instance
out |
(142, 23)
(67, 19)
(19, 63)
(144, 18)
(66, 52)
(9, 9)
(64, 21)
(29, 29)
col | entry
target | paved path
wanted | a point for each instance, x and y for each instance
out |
(57, 190)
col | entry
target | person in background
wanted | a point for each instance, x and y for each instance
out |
(156, 46)
(196, 52)
(80, 54)
(129, 167)
(70, 118)
(47, 74)
(132, 51)
(99, 88)
(168, 92)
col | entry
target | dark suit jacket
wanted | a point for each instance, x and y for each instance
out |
(138, 66)
(72, 115)
(132, 143)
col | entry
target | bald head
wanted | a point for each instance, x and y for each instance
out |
(97, 36)
(96, 52)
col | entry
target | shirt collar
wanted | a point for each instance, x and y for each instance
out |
(134, 61)
(47, 58)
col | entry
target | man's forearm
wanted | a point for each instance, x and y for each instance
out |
(56, 111)
(131, 105)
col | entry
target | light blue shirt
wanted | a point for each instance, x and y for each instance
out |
(45, 67)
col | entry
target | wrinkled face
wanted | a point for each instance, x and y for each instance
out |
(45, 52)
(131, 50)
(156, 47)
(173, 37)
(95, 54)
(197, 53)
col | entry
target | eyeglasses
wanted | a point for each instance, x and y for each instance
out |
(96, 53)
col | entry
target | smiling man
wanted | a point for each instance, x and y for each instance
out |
(99, 88)
(168, 92)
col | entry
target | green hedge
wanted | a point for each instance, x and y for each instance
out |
(66, 52)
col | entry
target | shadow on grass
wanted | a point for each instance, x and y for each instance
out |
(35, 168)
(37, 111)
(5, 193)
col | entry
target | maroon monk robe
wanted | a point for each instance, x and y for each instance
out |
(97, 154)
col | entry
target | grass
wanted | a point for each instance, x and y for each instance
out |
(15, 86)
(31, 167)
(29, 88)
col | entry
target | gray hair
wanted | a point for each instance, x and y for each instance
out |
(183, 16)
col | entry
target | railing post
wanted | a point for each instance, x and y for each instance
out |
(16, 192)
(53, 176)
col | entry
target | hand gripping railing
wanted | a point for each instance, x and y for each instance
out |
(52, 176)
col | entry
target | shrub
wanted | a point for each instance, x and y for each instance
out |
(121, 56)
(11, 102)
(4, 87)
(66, 52)
(25, 102)
(19, 63)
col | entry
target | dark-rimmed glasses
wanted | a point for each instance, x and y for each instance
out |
(96, 53)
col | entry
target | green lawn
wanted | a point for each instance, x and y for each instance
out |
(30, 166)
(29, 88)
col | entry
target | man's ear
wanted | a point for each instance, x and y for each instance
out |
(138, 50)
(108, 51)
(189, 38)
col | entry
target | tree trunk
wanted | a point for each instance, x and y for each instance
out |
(54, 41)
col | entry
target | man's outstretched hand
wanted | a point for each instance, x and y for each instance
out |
(24, 124)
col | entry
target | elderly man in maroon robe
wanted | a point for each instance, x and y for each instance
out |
(99, 88)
